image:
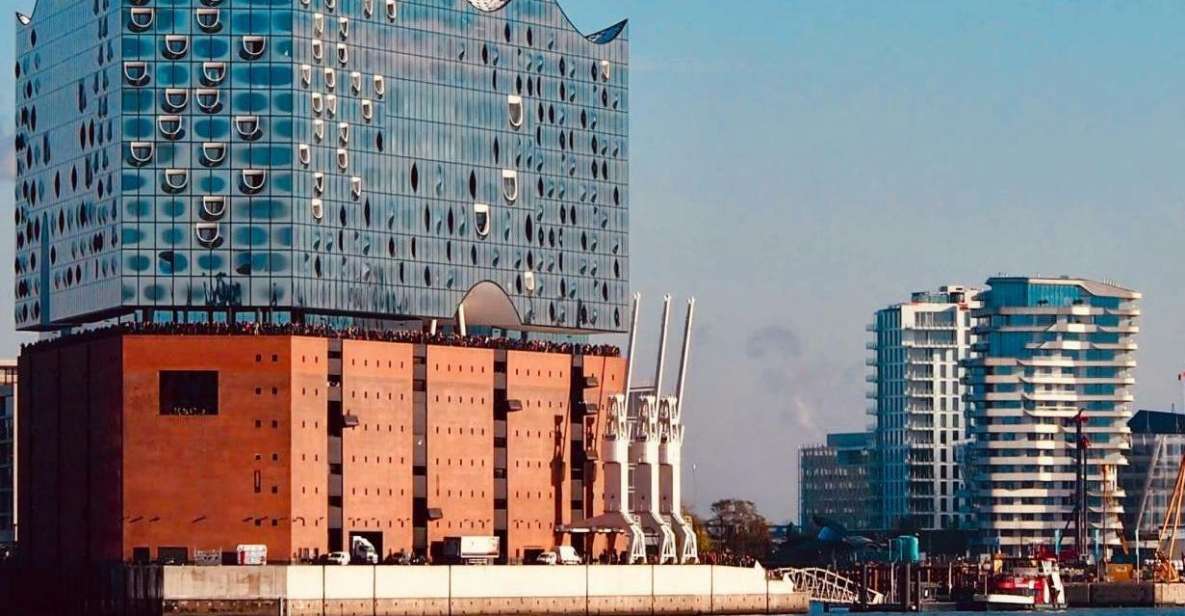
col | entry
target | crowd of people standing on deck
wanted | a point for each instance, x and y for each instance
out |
(411, 336)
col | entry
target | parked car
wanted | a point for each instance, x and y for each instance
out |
(337, 558)
(562, 555)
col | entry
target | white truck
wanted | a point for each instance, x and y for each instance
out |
(251, 554)
(471, 550)
(362, 551)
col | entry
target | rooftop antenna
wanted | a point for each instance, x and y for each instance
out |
(662, 344)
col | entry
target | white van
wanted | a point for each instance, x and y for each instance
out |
(562, 555)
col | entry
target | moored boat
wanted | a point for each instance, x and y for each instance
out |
(1022, 584)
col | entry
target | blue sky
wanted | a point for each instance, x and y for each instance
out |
(796, 165)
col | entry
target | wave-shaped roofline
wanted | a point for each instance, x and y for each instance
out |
(600, 37)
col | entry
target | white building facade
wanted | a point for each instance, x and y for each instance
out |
(916, 399)
(1049, 348)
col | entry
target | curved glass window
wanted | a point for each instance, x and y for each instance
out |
(306, 75)
(510, 185)
(319, 130)
(356, 82)
(606, 70)
(343, 133)
(253, 47)
(140, 19)
(367, 110)
(140, 153)
(304, 153)
(213, 154)
(174, 100)
(175, 180)
(330, 4)
(209, 20)
(392, 10)
(356, 187)
(253, 181)
(368, 7)
(170, 126)
(343, 27)
(481, 219)
(343, 54)
(331, 104)
(208, 100)
(213, 73)
(514, 107)
(318, 24)
(318, 209)
(175, 46)
(213, 207)
(343, 159)
(319, 183)
(529, 282)
(380, 87)
(330, 78)
(317, 102)
(318, 50)
(207, 234)
(248, 127)
(136, 73)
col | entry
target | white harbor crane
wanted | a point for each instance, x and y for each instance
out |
(615, 450)
(644, 446)
(670, 453)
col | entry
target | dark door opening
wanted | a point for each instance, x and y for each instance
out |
(375, 539)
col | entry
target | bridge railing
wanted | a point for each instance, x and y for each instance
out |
(827, 586)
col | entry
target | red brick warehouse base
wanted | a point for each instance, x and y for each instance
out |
(143, 446)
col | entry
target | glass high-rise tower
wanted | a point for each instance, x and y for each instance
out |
(916, 401)
(1048, 349)
(293, 159)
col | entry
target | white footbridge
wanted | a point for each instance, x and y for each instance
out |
(827, 586)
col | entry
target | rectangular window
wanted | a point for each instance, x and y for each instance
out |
(188, 392)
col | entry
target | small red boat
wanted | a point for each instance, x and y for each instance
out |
(1022, 584)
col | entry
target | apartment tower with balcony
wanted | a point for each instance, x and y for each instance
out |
(1049, 348)
(916, 401)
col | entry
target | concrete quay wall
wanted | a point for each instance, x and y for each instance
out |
(596, 590)
(1126, 594)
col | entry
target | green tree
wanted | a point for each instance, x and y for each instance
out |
(703, 539)
(737, 527)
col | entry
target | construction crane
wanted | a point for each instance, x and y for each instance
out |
(1166, 545)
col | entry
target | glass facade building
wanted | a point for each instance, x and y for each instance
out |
(834, 483)
(1158, 444)
(1048, 348)
(916, 401)
(287, 159)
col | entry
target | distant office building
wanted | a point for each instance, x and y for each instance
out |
(8, 373)
(1048, 348)
(916, 399)
(1158, 441)
(834, 482)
